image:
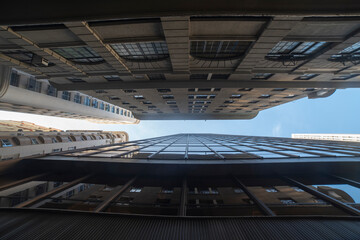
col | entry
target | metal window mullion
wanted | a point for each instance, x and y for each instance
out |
(261, 205)
(117, 192)
(21, 181)
(216, 153)
(52, 192)
(336, 203)
(161, 150)
(183, 198)
(186, 156)
(131, 151)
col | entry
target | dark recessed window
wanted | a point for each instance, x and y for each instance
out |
(309, 89)
(125, 103)
(262, 76)
(212, 96)
(100, 91)
(307, 76)
(34, 85)
(290, 52)
(349, 54)
(156, 76)
(51, 91)
(142, 52)
(279, 89)
(345, 77)
(65, 95)
(14, 79)
(254, 101)
(198, 77)
(77, 98)
(228, 101)
(28, 58)
(75, 79)
(151, 107)
(244, 106)
(132, 107)
(114, 98)
(245, 89)
(236, 96)
(287, 201)
(112, 78)
(220, 76)
(218, 50)
(170, 102)
(164, 90)
(80, 55)
(168, 96)
(290, 96)
(233, 111)
(129, 91)
(265, 96)
(146, 102)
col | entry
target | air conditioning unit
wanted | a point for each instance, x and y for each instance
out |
(39, 61)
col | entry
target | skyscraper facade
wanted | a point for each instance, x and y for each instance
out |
(181, 184)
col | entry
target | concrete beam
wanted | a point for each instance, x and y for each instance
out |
(38, 11)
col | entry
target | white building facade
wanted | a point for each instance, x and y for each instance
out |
(328, 137)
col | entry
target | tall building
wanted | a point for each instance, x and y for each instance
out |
(23, 139)
(328, 136)
(21, 92)
(187, 186)
(189, 64)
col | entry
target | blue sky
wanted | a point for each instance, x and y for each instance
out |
(339, 113)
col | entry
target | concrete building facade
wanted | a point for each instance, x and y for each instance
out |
(328, 136)
(21, 92)
(21, 139)
(203, 66)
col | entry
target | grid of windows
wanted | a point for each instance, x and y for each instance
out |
(289, 51)
(349, 54)
(34, 85)
(230, 147)
(218, 50)
(14, 79)
(51, 91)
(65, 95)
(79, 55)
(142, 52)
(77, 98)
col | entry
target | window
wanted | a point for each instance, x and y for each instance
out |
(229, 101)
(139, 97)
(265, 96)
(53, 140)
(57, 150)
(71, 193)
(218, 50)
(237, 96)
(94, 103)
(65, 95)
(129, 91)
(279, 89)
(77, 98)
(14, 79)
(112, 78)
(287, 201)
(262, 76)
(79, 55)
(349, 54)
(51, 91)
(307, 76)
(34, 141)
(156, 76)
(164, 90)
(107, 107)
(102, 106)
(28, 58)
(291, 52)
(142, 52)
(112, 109)
(75, 79)
(220, 76)
(146, 102)
(135, 190)
(238, 190)
(167, 190)
(87, 101)
(168, 96)
(170, 102)
(34, 85)
(6, 143)
(290, 96)
(345, 77)
(245, 89)
(271, 190)
(297, 189)
(100, 91)
(69, 139)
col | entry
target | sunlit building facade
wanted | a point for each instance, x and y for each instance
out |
(328, 136)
